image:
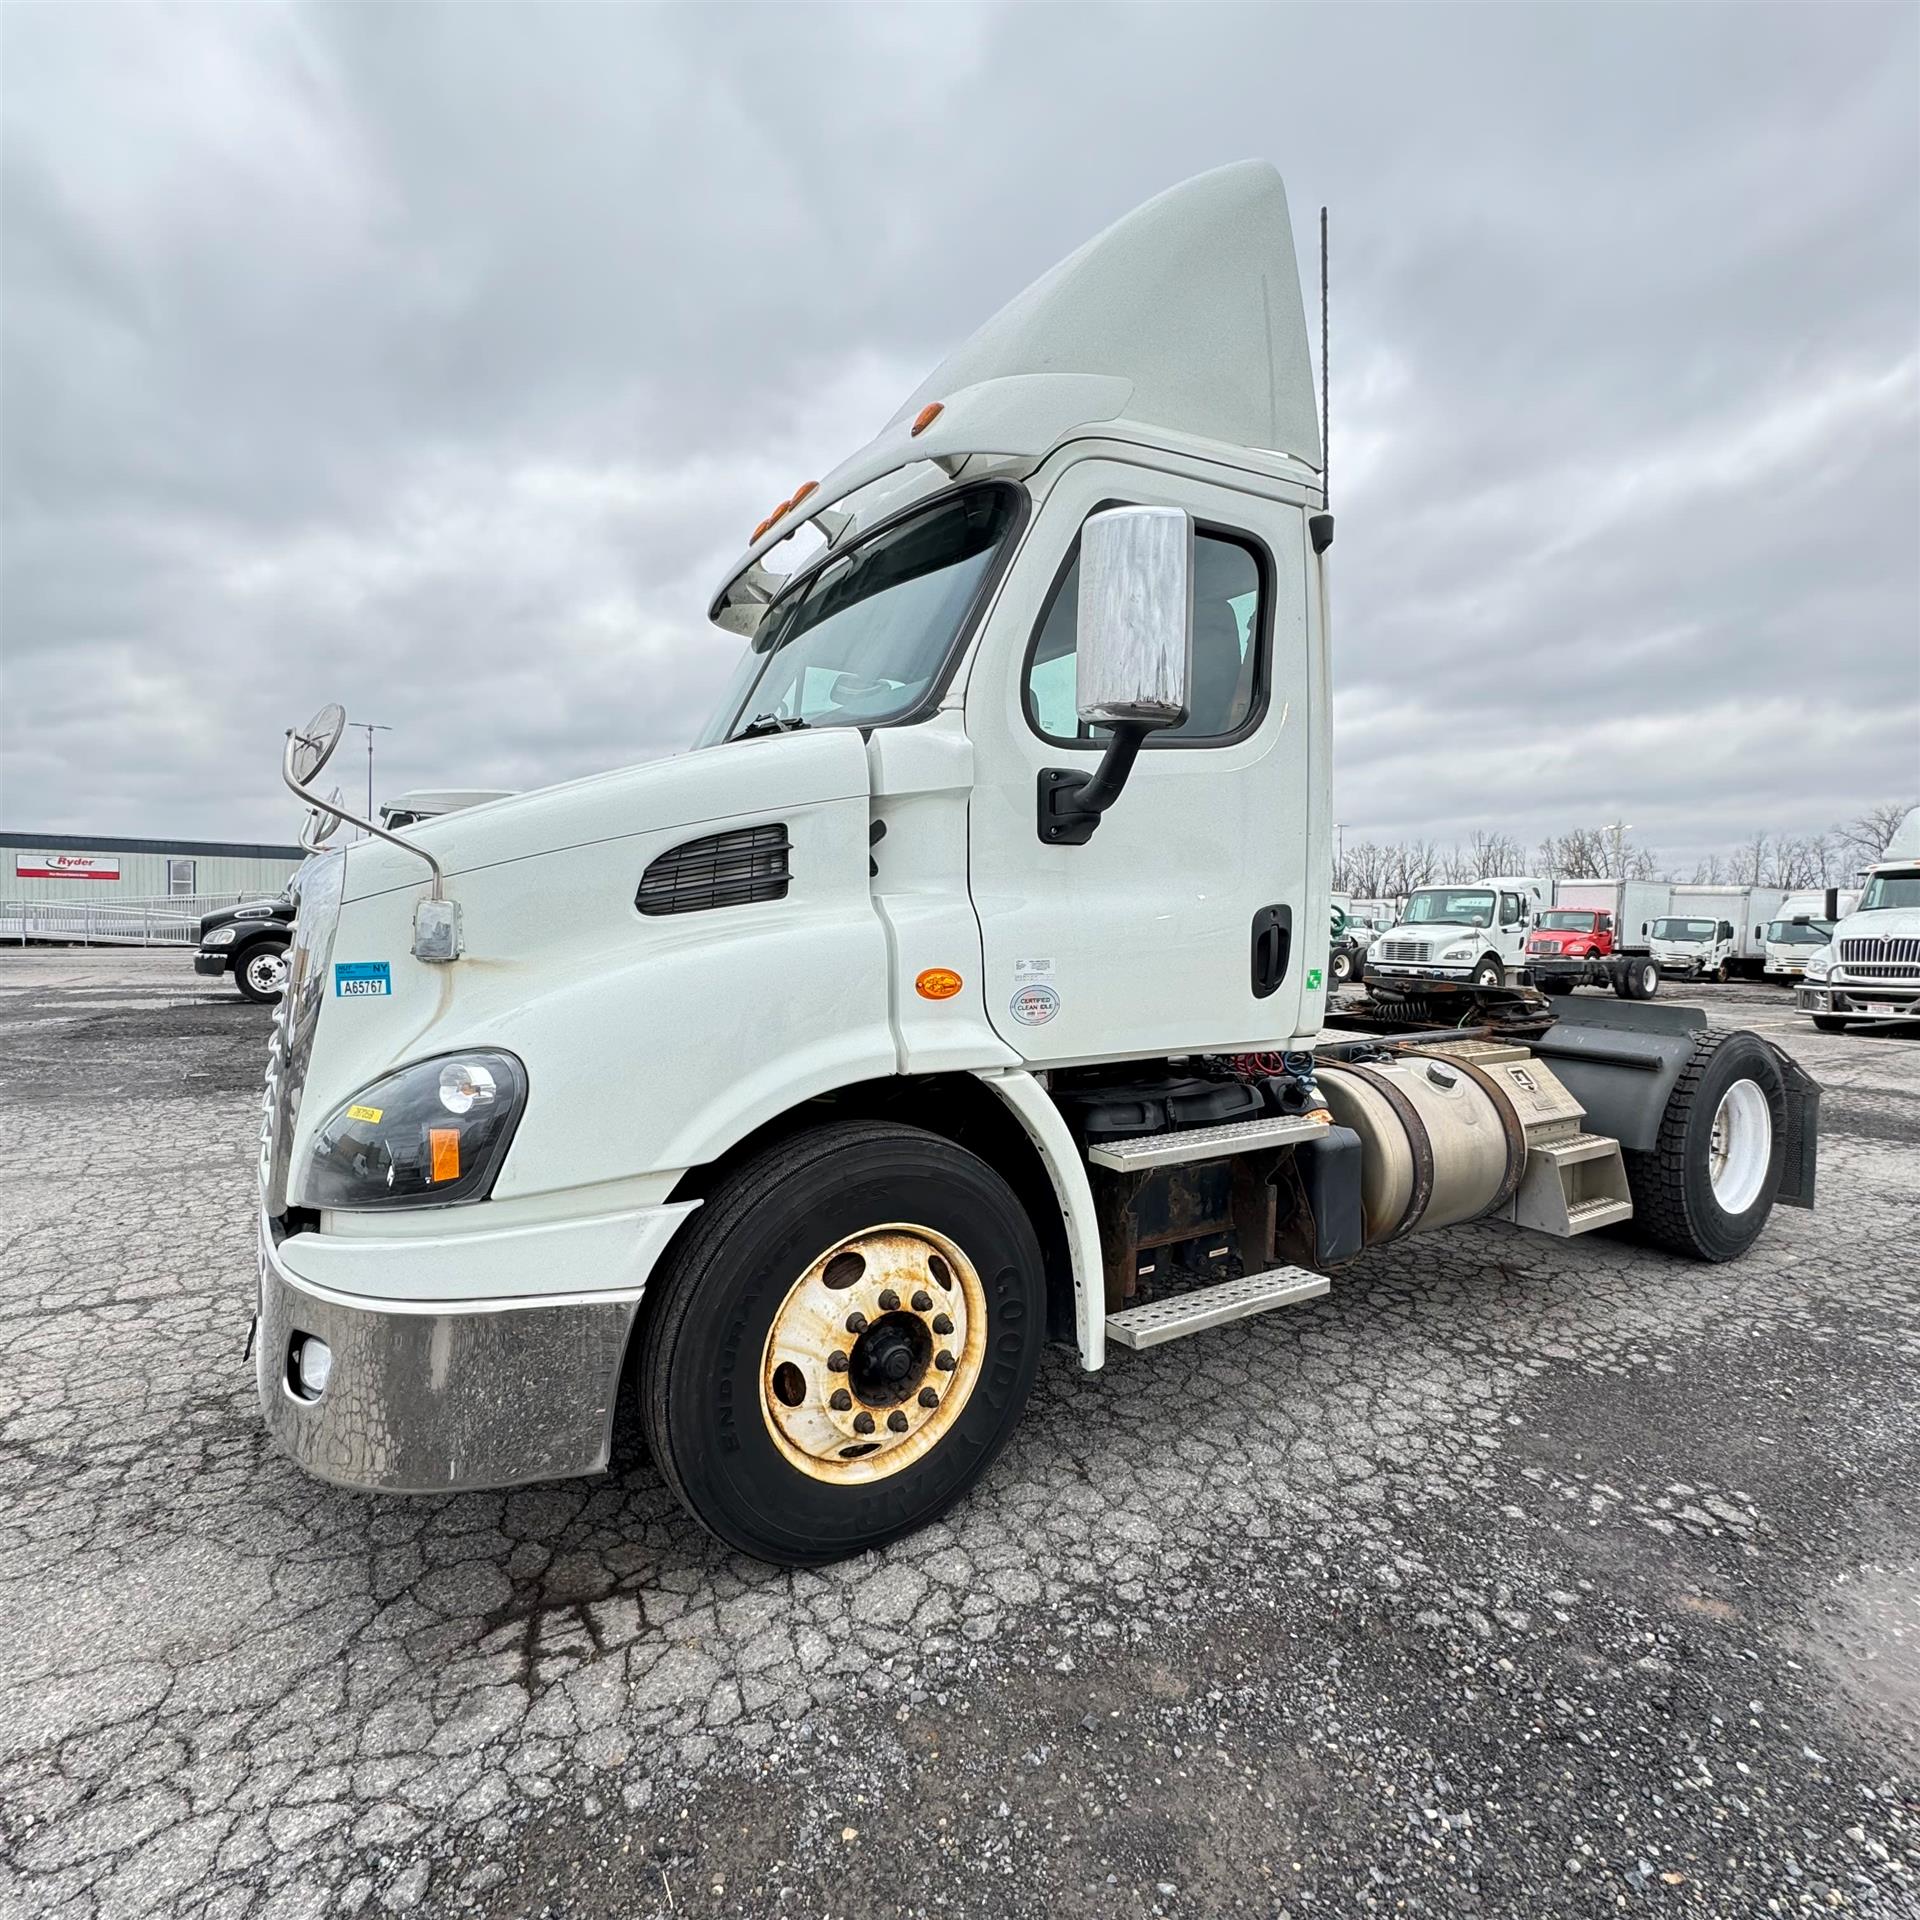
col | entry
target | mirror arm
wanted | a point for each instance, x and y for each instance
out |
(1071, 802)
(354, 820)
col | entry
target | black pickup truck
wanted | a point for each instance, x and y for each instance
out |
(250, 941)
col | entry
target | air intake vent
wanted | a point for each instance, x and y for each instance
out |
(723, 870)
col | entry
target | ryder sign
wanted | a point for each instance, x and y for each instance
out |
(66, 866)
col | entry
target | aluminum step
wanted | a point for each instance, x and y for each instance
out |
(1572, 1186)
(1585, 1215)
(1577, 1147)
(1187, 1144)
(1214, 1306)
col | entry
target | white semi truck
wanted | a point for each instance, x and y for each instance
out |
(1715, 933)
(1803, 922)
(965, 988)
(1870, 969)
(1473, 933)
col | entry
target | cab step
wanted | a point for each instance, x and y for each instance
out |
(1572, 1186)
(1187, 1144)
(1214, 1306)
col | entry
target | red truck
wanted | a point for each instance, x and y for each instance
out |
(1575, 946)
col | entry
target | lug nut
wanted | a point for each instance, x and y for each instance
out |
(896, 1423)
(944, 1361)
(841, 1400)
(863, 1423)
(928, 1398)
(890, 1301)
(922, 1301)
(836, 1363)
(856, 1323)
(943, 1323)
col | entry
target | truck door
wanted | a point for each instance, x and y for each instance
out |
(1194, 918)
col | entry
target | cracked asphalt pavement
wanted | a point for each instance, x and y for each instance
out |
(1513, 1577)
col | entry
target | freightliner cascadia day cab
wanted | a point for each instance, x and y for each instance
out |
(1870, 969)
(965, 987)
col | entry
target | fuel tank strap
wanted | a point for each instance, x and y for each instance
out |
(1419, 1143)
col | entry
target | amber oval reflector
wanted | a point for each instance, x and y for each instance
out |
(938, 983)
(800, 493)
(927, 416)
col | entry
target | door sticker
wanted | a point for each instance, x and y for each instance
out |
(358, 979)
(1034, 1003)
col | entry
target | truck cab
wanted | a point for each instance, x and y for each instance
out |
(964, 987)
(1571, 933)
(1804, 923)
(1474, 932)
(1693, 947)
(1870, 967)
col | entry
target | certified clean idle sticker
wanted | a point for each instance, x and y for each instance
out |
(1034, 1003)
(359, 979)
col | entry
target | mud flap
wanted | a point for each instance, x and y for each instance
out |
(1799, 1162)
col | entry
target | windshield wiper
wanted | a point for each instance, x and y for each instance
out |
(765, 723)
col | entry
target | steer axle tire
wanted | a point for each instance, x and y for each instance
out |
(1706, 1188)
(260, 972)
(842, 1342)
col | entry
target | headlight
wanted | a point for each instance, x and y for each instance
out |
(431, 1135)
(1462, 952)
(1819, 963)
(221, 937)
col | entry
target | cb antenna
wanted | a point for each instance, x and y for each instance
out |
(1320, 525)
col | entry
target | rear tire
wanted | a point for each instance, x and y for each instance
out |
(773, 1480)
(261, 972)
(1707, 1187)
(1341, 967)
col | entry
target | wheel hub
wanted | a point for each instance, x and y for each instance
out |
(873, 1353)
(1740, 1149)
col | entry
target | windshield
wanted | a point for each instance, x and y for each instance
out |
(1790, 933)
(1683, 929)
(864, 638)
(1891, 890)
(1565, 922)
(1449, 906)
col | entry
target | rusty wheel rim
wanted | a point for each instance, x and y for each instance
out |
(873, 1354)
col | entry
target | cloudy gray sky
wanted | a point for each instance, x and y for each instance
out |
(438, 360)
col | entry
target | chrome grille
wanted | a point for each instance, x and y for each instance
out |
(1409, 952)
(1891, 959)
(317, 888)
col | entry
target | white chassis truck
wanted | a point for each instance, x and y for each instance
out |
(964, 989)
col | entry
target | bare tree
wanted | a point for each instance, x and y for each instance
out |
(1863, 839)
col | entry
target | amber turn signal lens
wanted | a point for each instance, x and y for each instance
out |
(445, 1144)
(938, 983)
(927, 416)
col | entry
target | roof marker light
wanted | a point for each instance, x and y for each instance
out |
(800, 493)
(928, 415)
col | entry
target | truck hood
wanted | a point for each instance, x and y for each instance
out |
(688, 790)
(1888, 923)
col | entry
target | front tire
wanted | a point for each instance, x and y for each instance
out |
(1830, 1023)
(1489, 973)
(261, 972)
(802, 1434)
(1707, 1187)
(1342, 967)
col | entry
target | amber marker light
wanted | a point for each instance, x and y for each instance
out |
(938, 983)
(928, 415)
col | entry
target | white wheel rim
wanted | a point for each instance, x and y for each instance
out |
(268, 973)
(1742, 1146)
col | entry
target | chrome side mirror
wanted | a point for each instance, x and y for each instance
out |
(1133, 656)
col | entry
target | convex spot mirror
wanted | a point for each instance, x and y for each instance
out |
(1133, 661)
(309, 748)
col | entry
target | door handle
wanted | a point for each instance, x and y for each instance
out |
(1272, 948)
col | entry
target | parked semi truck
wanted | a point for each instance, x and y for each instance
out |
(964, 987)
(1870, 969)
(1598, 933)
(1803, 922)
(1715, 933)
(1474, 933)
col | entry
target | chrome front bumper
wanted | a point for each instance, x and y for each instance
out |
(434, 1397)
(1895, 1001)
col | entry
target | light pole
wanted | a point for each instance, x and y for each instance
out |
(1340, 844)
(370, 728)
(1619, 829)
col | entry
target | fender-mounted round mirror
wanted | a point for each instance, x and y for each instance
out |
(309, 748)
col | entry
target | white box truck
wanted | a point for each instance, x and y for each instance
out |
(1715, 933)
(964, 988)
(1803, 922)
(1598, 933)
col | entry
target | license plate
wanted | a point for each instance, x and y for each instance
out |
(361, 979)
